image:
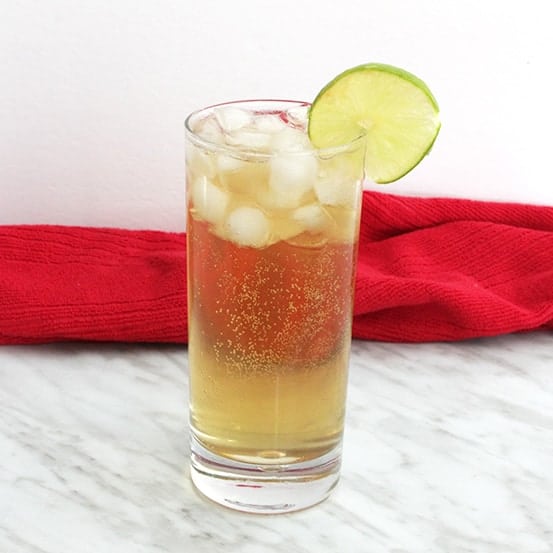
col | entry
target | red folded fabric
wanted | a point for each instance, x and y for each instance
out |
(449, 269)
(429, 270)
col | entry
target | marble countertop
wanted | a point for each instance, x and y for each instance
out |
(448, 448)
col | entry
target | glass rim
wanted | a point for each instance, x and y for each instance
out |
(241, 150)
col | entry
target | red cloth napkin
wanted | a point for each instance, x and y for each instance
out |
(429, 269)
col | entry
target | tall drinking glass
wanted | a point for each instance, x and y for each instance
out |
(272, 232)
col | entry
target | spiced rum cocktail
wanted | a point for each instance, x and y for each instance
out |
(272, 239)
(274, 202)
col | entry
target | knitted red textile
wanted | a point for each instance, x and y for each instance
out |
(429, 269)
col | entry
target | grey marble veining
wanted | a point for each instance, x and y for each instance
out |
(448, 448)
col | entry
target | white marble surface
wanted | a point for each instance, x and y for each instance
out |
(449, 448)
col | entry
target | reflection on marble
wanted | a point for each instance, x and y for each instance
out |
(449, 448)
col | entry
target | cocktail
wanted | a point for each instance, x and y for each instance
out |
(272, 234)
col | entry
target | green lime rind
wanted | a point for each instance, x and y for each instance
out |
(393, 108)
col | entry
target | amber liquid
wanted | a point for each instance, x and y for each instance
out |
(269, 340)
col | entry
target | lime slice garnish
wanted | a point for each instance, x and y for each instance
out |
(392, 107)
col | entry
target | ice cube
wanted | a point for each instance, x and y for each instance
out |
(209, 201)
(251, 139)
(271, 199)
(290, 178)
(248, 226)
(199, 161)
(291, 140)
(336, 190)
(285, 228)
(311, 217)
(298, 116)
(269, 123)
(231, 118)
(227, 163)
(210, 130)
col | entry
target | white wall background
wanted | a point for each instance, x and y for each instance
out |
(93, 94)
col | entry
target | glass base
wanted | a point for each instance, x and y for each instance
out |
(263, 488)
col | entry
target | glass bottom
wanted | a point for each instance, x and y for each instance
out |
(260, 487)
